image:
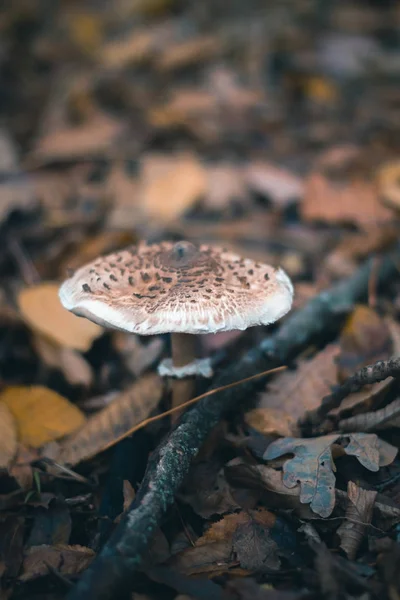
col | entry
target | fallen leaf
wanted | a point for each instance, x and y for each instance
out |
(170, 185)
(16, 194)
(90, 139)
(71, 363)
(186, 53)
(114, 422)
(41, 414)
(136, 355)
(388, 183)
(42, 310)
(212, 559)
(66, 560)
(293, 393)
(365, 339)
(51, 525)
(312, 465)
(226, 527)
(276, 183)
(254, 548)
(358, 517)
(21, 469)
(271, 421)
(8, 436)
(384, 418)
(225, 184)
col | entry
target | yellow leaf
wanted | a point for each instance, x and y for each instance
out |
(41, 414)
(8, 436)
(86, 31)
(43, 311)
(322, 90)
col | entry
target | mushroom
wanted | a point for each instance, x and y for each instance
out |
(178, 288)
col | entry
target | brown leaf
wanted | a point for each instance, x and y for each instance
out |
(364, 340)
(170, 185)
(225, 528)
(210, 559)
(384, 418)
(225, 184)
(8, 436)
(42, 310)
(183, 54)
(293, 393)
(271, 421)
(75, 368)
(114, 422)
(41, 415)
(21, 469)
(276, 183)
(66, 560)
(312, 465)
(254, 548)
(136, 355)
(91, 139)
(358, 516)
(388, 183)
(353, 201)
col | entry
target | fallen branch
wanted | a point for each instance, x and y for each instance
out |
(367, 375)
(112, 570)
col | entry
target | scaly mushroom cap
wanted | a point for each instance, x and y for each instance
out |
(177, 287)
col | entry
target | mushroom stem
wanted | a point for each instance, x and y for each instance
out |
(183, 347)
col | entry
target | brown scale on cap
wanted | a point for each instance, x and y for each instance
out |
(177, 287)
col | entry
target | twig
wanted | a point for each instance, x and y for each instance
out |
(112, 570)
(367, 375)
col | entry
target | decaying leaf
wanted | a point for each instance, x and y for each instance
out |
(189, 52)
(312, 465)
(170, 185)
(8, 436)
(41, 414)
(386, 417)
(215, 558)
(42, 309)
(293, 393)
(114, 422)
(226, 527)
(137, 356)
(358, 516)
(271, 421)
(66, 560)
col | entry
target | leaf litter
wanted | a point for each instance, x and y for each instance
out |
(270, 130)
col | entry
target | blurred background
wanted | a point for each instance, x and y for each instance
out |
(271, 128)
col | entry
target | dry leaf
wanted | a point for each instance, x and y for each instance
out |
(137, 356)
(214, 559)
(8, 436)
(225, 528)
(254, 548)
(312, 465)
(74, 367)
(170, 185)
(225, 184)
(276, 183)
(21, 469)
(183, 54)
(388, 183)
(358, 516)
(271, 421)
(41, 414)
(66, 560)
(16, 194)
(293, 393)
(353, 201)
(114, 422)
(386, 417)
(42, 310)
(365, 339)
(92, 138)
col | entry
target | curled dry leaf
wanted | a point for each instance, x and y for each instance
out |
(312, 465)
(66, 560)
(114, 422)
(170, 185)
(183, 54)
(358, 516)
(271, 421)
(42, 310)
(384, 418)
(41, 414)
(292, 393)
(8, 436)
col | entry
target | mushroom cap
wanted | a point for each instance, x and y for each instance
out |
(177, 287)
